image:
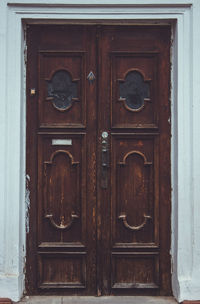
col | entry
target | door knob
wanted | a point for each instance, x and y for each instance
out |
(104, 160)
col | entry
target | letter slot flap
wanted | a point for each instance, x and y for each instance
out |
(62, 142)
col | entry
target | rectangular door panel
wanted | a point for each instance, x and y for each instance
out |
(62, 184)
(135, 212)
(135, 191)
(135, 270)
(134, 86)
(62, 270)
(62, 211)
(61, 89)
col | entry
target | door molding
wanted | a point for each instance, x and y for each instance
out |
(181, 16)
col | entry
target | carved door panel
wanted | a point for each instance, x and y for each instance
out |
(135, 207)
(98, 98)
(61, 152)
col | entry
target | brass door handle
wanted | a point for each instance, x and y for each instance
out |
(104, 160)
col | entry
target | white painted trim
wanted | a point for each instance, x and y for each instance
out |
(185, 127)
(99, 3)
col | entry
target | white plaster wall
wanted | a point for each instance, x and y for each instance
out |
(182, 164)
(2, 128)
(12, 159)
(185, 128)
(193, 290)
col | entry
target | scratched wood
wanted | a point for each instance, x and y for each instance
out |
(99, 206)
(62, 238)
(5, 301)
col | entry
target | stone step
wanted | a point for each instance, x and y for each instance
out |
(97, 300)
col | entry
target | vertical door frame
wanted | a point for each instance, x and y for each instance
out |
(180, 15)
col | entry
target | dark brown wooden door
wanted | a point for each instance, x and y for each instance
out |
(98, 159)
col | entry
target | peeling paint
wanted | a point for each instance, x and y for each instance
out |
(27, 202)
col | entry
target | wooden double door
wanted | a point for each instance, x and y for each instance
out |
(98, 159)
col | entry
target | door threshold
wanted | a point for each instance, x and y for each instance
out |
(97, 300)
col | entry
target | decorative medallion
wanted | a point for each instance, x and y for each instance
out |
(61, 90)
(134, 91)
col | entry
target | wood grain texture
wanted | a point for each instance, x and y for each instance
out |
(5, 301)
(138, 162)
(88, 236)
(61, 247)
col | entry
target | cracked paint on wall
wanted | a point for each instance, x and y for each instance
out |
(27, 202)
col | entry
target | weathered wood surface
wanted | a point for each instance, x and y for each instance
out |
(100, 212)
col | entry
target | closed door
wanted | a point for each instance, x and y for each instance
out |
(98, 159)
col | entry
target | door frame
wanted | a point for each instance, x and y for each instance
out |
(143, 12)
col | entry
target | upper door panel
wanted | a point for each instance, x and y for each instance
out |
(134, 87)
(61, 93)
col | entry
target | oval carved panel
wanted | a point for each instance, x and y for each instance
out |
(61, 90)
(134, 91)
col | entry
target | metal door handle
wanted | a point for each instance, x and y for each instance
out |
(104, 160)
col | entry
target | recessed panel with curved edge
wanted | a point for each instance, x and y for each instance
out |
(61, 173)
(135, 212)
(63, 200)
(135, 191)
(134, 186)
(61, 212)
(61, 94)
(134, 90)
